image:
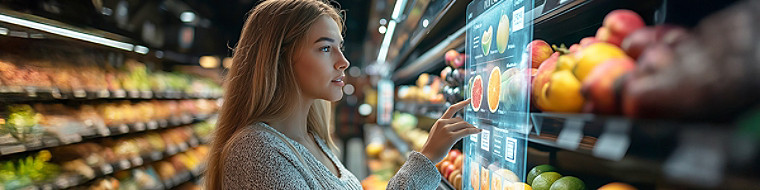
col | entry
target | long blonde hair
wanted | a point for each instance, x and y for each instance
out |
(261, 82)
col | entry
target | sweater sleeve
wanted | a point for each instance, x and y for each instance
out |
(254, 166)
(417, 173)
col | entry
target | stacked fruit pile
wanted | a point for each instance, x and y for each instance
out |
(29, 123)
(438, 89)
(134, 76)
(77, 163)
(451, 168)
(629, 68)
(405, 125)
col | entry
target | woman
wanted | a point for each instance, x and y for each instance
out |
(273, 130)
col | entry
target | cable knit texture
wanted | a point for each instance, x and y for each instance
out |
(260, 160)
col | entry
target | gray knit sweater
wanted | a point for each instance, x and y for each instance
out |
(260, 160)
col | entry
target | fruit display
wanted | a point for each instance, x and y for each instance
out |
(405, 125)
(451, 168)
(642, 71)
(545, 177)
(15, 174)
(17, 75)
(29, 123)
(176, 147)
(448, 87)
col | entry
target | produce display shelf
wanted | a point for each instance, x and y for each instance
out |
(650, 152)
(430, 59)
(18, 94)
(109, 131)
(71, 180)
(396, 140)
(445, 185)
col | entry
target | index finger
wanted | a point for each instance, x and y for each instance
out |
(454, 109)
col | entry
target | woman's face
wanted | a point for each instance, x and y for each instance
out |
(319, 64)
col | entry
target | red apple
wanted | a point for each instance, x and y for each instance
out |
(451, 55)
(447, 171)
(599, 87)
(606, 35)
(622, 22)
(539, 51)
(444, 165)
(453, 155)
(588, 41)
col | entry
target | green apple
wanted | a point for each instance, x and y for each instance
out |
(502, 33)
(485, 41)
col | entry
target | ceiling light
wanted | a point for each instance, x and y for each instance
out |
(187, 16)
(209, 62)
(66, 33)
(382, 29)
(141, 49)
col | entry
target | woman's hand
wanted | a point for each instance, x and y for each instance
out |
(447, 131)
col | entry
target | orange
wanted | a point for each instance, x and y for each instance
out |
(494, 88)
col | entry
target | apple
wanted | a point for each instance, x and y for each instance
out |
(542, 76)
(459, 161)
(453, 155)
(450, 175)
(636, 43)
(539, 52)
(588, 41)
(451, 55)
(599, 87)
(447, 171)
(444, 165)
(606, 35)
(622, 22)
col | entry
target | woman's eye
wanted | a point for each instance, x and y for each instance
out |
(325, 49)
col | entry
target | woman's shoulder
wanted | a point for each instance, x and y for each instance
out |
(255, 138)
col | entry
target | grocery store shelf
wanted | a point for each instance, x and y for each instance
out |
(17, 94)
(100, 132)
(445, 185)
(394, 138)
(651, 152)
(69, 180)
(431, 59)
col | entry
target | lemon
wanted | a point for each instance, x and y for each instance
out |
(594, 55)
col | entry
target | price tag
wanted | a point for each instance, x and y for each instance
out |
(571, 134)
(137, 161)
(103, 94)
(123, 128)
(106, 169)
(31, 92)
(170, 150)
(146, 94)
(510, 149)
(614, 142)
(163, 123)
(155, 156)
(79, 93)
(134, 94)
(152, 125)
(182, 146)
(518, 19)
(120, 93)
(193, 142)
(12, 149)
(124, 164)
(56, 93)
(139, 126)
(485, 139)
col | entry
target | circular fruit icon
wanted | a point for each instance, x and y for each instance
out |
(502, 33)
(474, 181)
(485, 40)
(494, 88)
(477, 93)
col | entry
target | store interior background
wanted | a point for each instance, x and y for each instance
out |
(173, 55)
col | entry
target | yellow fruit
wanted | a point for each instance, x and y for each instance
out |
(496, 183)
(502, 33)
(508, 175)
(518, 186)
(494, 88)
(373, 149)
(562, 93)
(594, 55)
(617, 186)
(566, 62)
